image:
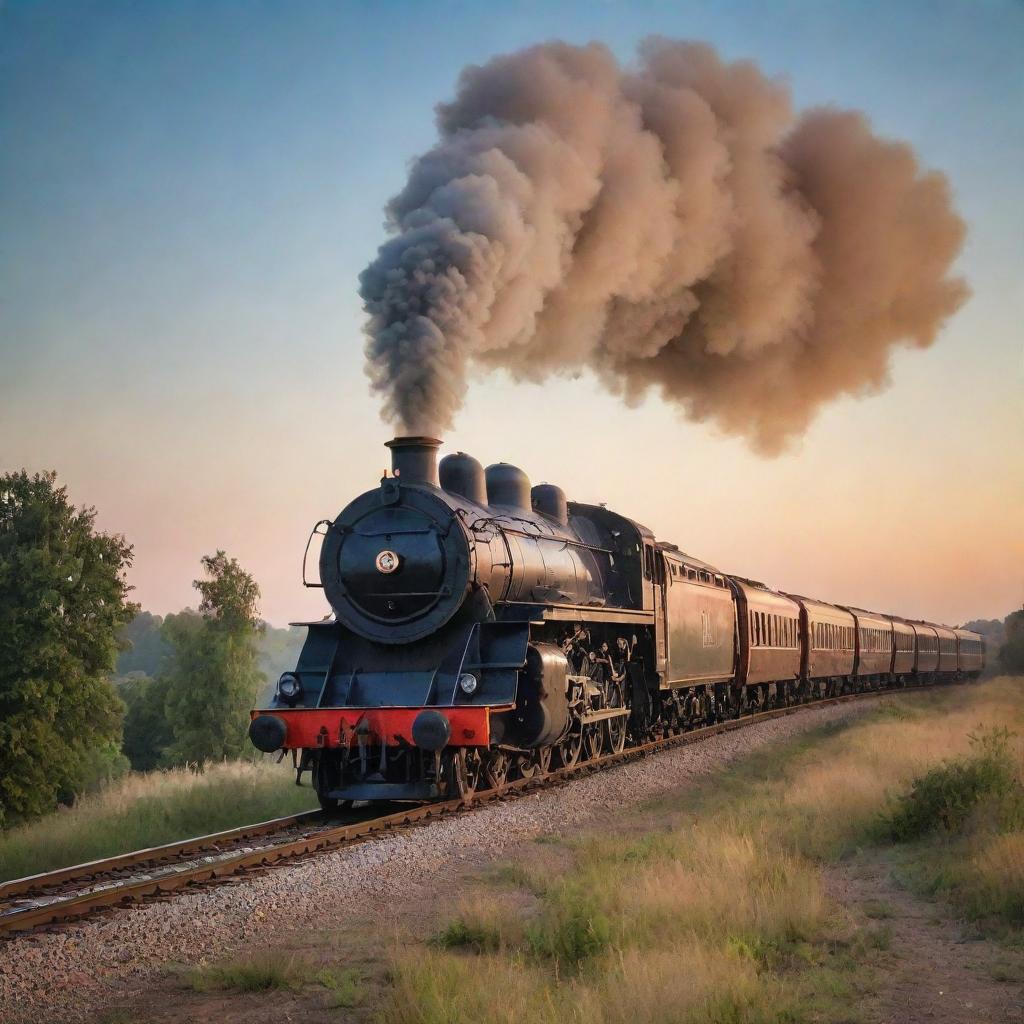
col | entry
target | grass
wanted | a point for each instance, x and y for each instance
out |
(150, 809)
(259, 973)
(269, 970)
(709, 905)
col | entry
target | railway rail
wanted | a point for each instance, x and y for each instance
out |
(71, 893)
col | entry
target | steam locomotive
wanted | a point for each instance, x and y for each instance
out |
(484, 630)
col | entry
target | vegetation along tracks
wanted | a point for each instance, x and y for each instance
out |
(73, 892)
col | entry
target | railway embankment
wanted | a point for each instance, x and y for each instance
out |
(149, 809)
(749, 876)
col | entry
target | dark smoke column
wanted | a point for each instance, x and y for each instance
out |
(674, 227)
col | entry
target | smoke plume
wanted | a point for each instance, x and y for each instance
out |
(675, 226)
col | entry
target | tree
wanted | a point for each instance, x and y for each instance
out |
(1011, 654)
(213, 674)
(146, 732)
(143, 648)
(63, 597)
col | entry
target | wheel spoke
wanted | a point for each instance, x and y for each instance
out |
(567, 753)
(593, 741)
(498, 764)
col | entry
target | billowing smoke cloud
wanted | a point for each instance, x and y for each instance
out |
(674, 227)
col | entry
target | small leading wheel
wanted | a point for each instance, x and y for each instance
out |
(326, 777)
(567, 752)
(615, 734)
(593, 741)
(464, 769)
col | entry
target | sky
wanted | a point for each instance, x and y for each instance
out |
(189, 190)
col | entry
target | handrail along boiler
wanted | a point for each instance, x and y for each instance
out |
(483, 630)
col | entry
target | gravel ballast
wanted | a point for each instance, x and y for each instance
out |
(69, 975)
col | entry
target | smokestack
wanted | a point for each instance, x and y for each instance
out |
(414, 459)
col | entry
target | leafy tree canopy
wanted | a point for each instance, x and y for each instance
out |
(213, 672)
(143, 648)
(63, 596)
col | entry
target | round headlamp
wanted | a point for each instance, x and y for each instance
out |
(289, 687)
(467, 683)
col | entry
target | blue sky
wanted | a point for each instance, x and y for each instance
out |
(188, 192)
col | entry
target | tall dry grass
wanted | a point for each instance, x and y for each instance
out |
(725, 919)
(150, 809)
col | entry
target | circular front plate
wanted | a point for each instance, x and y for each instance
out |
(395, 570)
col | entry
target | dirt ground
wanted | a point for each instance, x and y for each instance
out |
(935, 969)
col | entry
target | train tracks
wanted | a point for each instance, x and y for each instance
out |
(74, 892)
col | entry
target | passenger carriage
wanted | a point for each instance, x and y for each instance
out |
(947, 649)
(970, 653)
(769, 642)
(926, 640)
(874, 639)
(830, 653)
(904, 649)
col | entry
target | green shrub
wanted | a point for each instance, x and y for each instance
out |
(463, 934)
(265, 970)
(947, 795)
(571, 929)
(344, 985)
